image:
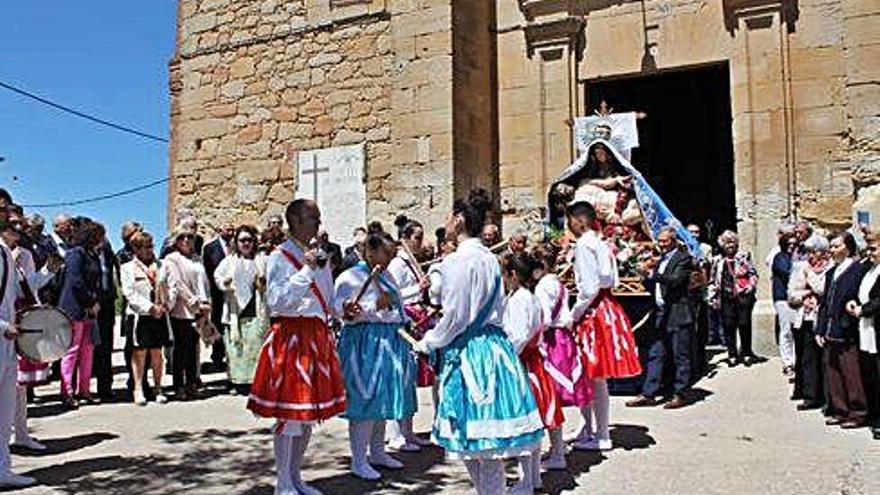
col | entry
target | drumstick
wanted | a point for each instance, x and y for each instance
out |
(407, 337)
(499, 246)
(30, 330)
(642, 321)
(418, 267)
(373, 273)
(565, 270)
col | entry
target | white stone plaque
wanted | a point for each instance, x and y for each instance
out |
(334, 177)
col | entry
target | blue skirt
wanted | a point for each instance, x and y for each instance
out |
(486, 407)
(379, 370)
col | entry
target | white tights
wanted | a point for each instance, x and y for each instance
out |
(598, 408)
(291, 442)
(487, 476)
(20, 421)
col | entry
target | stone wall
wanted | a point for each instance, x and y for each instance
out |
(254, 82)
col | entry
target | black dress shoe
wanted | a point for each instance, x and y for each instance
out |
(807, 406)
(876, 432)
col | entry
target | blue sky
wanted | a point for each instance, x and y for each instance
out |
(108, 58)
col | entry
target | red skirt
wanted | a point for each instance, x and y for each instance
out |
(298, 376)
(31, 373)
(607, 338)
(425, 374)
(542, 387)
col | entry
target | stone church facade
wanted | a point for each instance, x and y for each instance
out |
(446, 95)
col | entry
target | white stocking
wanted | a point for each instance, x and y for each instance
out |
(601, 405)
(557, 447)
(300, 444)
(393, 431)
(492, 478)
(359, 433)
(587, 430)
(536, 469)
(525, 483)
(474, 469)
(283, 451)
(21, 430)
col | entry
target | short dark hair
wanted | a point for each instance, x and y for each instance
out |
(581, 209)
(4, 194)
(377, 237)
(849, 242)
(296, 208)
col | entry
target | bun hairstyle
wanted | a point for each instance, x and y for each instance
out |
(406, 227)
(377, 237)
(473, 211)
(523, 265)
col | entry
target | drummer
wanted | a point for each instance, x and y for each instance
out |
(8, 361)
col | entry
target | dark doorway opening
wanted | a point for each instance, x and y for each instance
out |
(685, 142)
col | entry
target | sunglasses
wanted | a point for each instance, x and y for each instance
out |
(245, 239)
(186, 237)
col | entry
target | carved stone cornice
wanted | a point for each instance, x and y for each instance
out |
(561, 32)
(735, 9)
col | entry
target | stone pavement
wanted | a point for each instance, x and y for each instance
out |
(742, 437)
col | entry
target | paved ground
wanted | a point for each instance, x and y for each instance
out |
(743, 437)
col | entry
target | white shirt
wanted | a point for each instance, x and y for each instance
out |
(7, 307)
(841, 267)
(435, 276)
(187, 285)
(867, 335)
(36, 280)
(136, 287)
(403, 272)
(522, 318)
(661, 269)
(288, 290)
(59, 243)
(243, 272)
(594, 269)
(548, 293)
(469, 278)
(349, 283)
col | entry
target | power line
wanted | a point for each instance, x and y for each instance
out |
(102, 197)
(83, 115)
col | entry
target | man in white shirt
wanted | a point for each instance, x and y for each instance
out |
(8, 357)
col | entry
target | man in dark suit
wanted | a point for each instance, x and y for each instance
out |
(674, 323)
(103, 365)
(212, 255)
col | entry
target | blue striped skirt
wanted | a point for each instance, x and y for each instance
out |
(379, 369)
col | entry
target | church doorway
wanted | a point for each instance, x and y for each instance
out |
(685, 142)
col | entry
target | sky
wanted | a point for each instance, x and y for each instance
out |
(107, 58)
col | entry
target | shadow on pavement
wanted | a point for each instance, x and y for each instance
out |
(55, 446)
(624, 436)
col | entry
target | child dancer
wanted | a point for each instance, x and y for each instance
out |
(522, 322)
(602, 325)
(486, 411)
(377, 363)
(565, 360)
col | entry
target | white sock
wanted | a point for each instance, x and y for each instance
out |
(525, 473)
(601, 406)
(357, 439)
(21, 430)
(492, 477)
(536, 469)
(557, 446)
(393, 431)
(283, 451)
(587, 429)
(300, 445)
(406, 428)
(474, 469)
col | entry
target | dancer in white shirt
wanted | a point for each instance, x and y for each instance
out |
(523, 325)
(486, 411)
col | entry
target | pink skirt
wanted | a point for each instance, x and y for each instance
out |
(425, 374)
(565, 363)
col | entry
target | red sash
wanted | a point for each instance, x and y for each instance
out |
(315, 290)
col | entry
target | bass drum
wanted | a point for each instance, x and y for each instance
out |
(45, 334)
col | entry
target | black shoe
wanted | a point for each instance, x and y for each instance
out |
(876, 432)
(796, 396)
(807, 406)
